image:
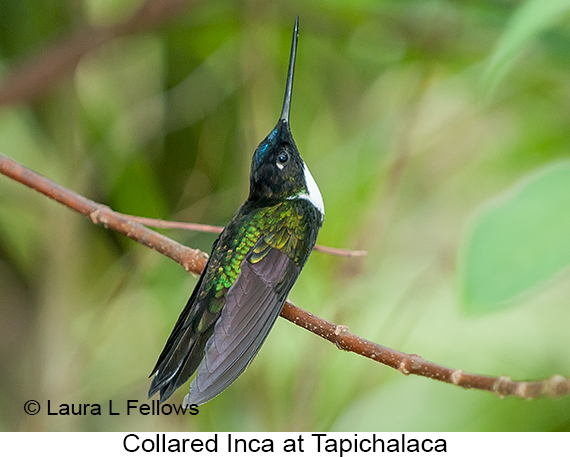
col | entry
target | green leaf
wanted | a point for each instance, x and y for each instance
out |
(530, 19)
(518, 242)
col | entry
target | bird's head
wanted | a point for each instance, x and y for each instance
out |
(277, 170)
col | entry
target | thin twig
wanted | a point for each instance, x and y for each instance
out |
(194, 260)
(159, 223)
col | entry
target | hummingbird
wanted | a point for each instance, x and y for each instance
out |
(252, 267)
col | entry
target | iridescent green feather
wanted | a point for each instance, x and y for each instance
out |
(281, 226)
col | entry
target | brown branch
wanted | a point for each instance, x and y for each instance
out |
(194, 260)
(159, 223)
(35, 76)
(413, 364)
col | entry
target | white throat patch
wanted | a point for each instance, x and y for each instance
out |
(314, 195)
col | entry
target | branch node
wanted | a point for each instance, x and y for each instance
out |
(500, 386)
(338, 340)
(403, 368)
(521, 390)
(194, 260)
(456, 377)
(557, 386)
(340, 329)
(98, 217)
(415, 363)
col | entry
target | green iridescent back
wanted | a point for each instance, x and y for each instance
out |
(284, 226)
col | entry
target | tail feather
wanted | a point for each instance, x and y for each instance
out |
(183, 351)
(178, 365)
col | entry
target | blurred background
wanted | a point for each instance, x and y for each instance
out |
(438, 132)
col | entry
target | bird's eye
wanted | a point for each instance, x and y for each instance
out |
(282, 158)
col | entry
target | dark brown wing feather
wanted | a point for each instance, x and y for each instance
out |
(184, 348)
(252, 305)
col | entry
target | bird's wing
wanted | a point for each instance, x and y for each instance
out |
(252, 305)
(184, 348)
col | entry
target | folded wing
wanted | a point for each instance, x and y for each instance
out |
(253, 303)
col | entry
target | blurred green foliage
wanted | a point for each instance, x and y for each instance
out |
(520, 242)
(412, 116)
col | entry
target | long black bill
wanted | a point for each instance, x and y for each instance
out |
(289, 86)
